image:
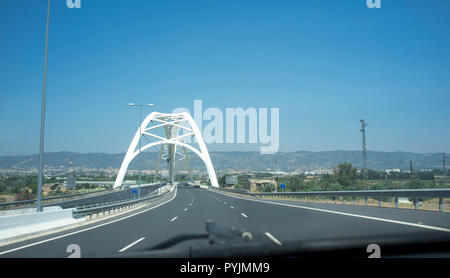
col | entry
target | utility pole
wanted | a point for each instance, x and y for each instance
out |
(364, 152)
(44, 93)
(276, 175)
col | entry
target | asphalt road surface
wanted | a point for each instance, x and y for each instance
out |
(186, 210)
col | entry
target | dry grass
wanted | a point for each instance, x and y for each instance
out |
(430, 204)
(6, 198)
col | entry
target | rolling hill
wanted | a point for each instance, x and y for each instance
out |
(247, 161)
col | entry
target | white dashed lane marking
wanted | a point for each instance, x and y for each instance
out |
(273, 238)
(132, 244)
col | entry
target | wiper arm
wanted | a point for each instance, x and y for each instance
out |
(178, 239)
(217, 235)
(224, 235)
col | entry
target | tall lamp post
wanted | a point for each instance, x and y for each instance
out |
(44, 92)
(140, 135)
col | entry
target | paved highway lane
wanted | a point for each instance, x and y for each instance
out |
(190, 208)
(187, 213)
(300, 221)
(106, 237)
(433, 218)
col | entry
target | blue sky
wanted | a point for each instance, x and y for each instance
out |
(325, 64)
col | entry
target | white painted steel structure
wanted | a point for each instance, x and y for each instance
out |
(172, 124)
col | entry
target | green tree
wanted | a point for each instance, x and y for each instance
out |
(221, 181)
(268, 188)
(345, 174)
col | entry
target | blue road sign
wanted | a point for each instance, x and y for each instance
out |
(282, 185)
(134, 191)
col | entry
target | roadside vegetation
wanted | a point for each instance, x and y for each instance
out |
(20, 187)
(346, 177)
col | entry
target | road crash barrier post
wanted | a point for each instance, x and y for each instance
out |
(102, 208)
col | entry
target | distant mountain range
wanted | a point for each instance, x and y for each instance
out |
(246, 161)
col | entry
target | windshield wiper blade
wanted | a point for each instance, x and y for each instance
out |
(178, 239)
(216, 235)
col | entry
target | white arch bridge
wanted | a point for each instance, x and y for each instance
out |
(170, 140)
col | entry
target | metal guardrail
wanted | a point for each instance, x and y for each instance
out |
(89, 210)
(69, 196)
(414, 194)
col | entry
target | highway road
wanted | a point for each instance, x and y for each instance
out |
(187, 209)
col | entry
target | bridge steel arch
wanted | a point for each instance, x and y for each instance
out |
(172, 123)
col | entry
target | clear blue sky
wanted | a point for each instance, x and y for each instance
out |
(325, 64)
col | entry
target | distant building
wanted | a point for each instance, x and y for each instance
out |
(392, 171)
(320, 172)
(309, 178)
(126, 183)
(258, 184)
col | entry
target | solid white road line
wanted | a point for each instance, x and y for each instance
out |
(273, 238)
(174, 218)
(134, 243)
(87, 229)
(347, 214)
(244, 215)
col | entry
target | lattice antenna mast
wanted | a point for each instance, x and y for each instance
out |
(70, 168)
(364, 151)
(444, 170)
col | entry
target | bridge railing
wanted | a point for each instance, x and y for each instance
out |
(97, 208)
(62, 198)
(415, 195)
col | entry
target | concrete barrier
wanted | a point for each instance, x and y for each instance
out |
(144, 185)
(26, 211)
(165, 188)
(25, 222)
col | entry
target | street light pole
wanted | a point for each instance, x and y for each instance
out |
(44, 92)
(140, 134)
